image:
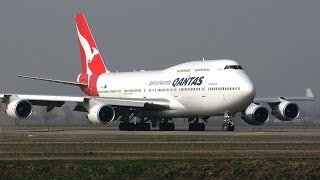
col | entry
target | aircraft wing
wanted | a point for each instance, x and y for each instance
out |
(58, 101)
(309, 97)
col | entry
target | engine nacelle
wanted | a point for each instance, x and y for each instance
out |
(19, 108)
(255, 114)
(285, 111)
(101, 114)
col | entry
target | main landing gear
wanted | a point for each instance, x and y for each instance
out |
(195, 125)
(166, 126)
(228, 125)
(126, 125)
(134, 127)
(140, 124)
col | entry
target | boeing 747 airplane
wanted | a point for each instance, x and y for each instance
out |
(195, 90)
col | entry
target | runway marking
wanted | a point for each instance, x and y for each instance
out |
(253, 133)
(33, 135)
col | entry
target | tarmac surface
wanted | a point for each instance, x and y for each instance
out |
(180, 132)
(110, 143)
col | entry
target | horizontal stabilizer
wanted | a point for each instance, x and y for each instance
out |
(55, 81)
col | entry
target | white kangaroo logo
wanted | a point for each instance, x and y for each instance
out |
(90, 52)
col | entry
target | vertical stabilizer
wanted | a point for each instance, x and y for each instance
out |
(91, 59)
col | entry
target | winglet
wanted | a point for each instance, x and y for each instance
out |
(309, 93)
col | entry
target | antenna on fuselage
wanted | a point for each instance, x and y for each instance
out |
(203, 59)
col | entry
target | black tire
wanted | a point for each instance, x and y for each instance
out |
(197, 127)
(227, 127)
(191, 127)
(162, 126)
(202, 127)
(166, 127)
(131, 127)
(231, 127)
(122, 127)
(146, 127)
(127, 127)
(171, 127)
(139, 127)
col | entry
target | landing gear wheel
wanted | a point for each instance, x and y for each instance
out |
(228, 126)
(143, 127)
(166, 127)
(146, 126)
(197, 127)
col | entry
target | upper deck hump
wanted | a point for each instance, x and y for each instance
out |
(184, 67)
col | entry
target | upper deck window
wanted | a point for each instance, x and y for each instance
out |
(233, 67)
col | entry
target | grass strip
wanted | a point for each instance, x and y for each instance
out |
(222, 168)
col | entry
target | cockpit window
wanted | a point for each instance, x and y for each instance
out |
(233, 67)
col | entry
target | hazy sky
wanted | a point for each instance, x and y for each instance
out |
(276, 41)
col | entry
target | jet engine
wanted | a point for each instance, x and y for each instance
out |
(285, 111)
(101, 114)
(255, 114)
(19, 108)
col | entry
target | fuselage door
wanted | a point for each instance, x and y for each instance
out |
(175, 92)
(204, 89)
(145, 90)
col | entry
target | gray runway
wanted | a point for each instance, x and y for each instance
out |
(181, 132)
(35, 143)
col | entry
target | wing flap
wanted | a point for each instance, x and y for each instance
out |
(148, 104)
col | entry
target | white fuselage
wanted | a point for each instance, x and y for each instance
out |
(197, 88)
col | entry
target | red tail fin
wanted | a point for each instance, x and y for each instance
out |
(91, 59)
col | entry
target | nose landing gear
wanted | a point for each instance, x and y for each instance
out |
(228, 125)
